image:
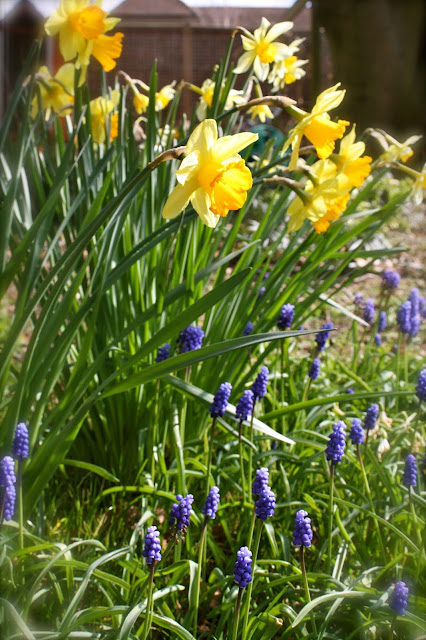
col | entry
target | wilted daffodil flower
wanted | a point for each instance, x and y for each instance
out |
(212, 176)
(81, 27)
(101, 115)
(56, 93)
(317, 126)
(261, 49)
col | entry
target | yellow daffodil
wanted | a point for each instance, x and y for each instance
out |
(349, 160)
(286, 71)
(101, 115)
(419, 188)
(140, 102)
(212, 176)
(325, 196)
(163, 97)
(261, 111)
(56, 93)
(206, 92)
(261, 48)
(317, 126)
(394, 151)
(81, 27)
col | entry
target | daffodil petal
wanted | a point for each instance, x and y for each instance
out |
(261, 69)
(245, 61)
(229, 146)
(277, 30)
(178, 199)
(202, 138)
(201, 203)
(188, 165)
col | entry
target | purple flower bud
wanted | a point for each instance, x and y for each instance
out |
(391, 279)
(180, 513)
(422, 307)
(242, 568)
(261, 481)
(415, 323)
(21, 443)
(357, 433)
(383, 322)
(358, 299)
(220, 401)
(152, 549)
(336, 443)
(315, 369)
(321, 338)
(398, 599)
(9, 502)
(212, 502)
(245, 405)
(404, 317)
(350, 390)
(371, 417)
(410, 471)
(265, 505)
(378, 340)
(286, 316)
(302, 534)
(262, 292)
(248, 328)
(190, 339)
(421, 385)
(7, 471)
(260, 384)
(414, 298)
(163, 353)
(369, 310)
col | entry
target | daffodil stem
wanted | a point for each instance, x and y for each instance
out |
(250, 586)
(199, 571)
(237, 614)
(307, 593)
(370, 500)
(330, 518)
(149, 603)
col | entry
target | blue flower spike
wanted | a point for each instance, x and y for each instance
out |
(212, 503)
(152, 548)
(399, 598)
(243, 568)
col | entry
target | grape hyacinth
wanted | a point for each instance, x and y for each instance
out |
(371, 417)
(260, 384)
(398, 599)
(403, 317)
(358, 299)
(315, 369)
(356, 433)
(20, 445)
(180, 513)
(422, 307)
(336, 443)
(190, 339)
(211, 504)
(410, 471)
(7, 480)
(220, 400)
(414, 298)
(245, 405)
(383, 322)
(265, 505)
(390, 279)
(350, 390)
(242, 568)
(262, 292)
(321, 338)
(286, 316)
(369, 310)
(7, 471)
(152, 548)
(421, 385)
(378, 340)
(415, 322)
(302, 533)
(261, 481)
(163, 353)
(248, 328)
